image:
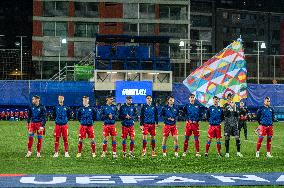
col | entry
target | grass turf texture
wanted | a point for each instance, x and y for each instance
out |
(14, 147)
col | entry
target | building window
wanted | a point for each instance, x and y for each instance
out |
(261, 32)
(86, 9)
(61, 29)
(92, 30)
(147, 29)
(86, 29)
(173, 12)
(194, 34)
(236, 18)
(130, 10)
(52, 47)
(147, 11)
(201, 21)
(199, 6)
(173, 30)
(130, 28)
(49, 28)
(55, 8)
(225, 30)
(225, 15)
(275, 35)
(55, 29)
(80, 29)
(83, 49)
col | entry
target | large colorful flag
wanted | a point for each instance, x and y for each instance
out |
(222, 74)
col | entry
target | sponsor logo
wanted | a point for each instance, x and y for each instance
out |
(136, 92)
(144, 180)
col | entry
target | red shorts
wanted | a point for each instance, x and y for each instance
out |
(214, 131)
(83, 130)
(34, 128)
(109, 130)
(127, 131)
(170, 129)
(61, 130)
(149, 129)
(265, 130)
(191, 128)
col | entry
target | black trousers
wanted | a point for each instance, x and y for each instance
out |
(243, 124)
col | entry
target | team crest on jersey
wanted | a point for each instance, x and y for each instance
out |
(196, 106)
(64, 108)
(89, 109)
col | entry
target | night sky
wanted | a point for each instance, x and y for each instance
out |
(15, 19)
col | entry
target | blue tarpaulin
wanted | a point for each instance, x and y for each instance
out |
(20, 92)
(256, 94)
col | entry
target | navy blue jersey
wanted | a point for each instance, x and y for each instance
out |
(106, 110)
(61, 114)
(215, 115)
(86, 115)
(127, 110)
(149, 114)
(37, 114)
(169, 112)
(192, 112)
(265, 116)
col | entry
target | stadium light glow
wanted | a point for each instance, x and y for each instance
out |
(263, 46)
(181, 43)
(64, 41)
(111, 72)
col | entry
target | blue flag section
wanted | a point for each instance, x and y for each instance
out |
(98, 180)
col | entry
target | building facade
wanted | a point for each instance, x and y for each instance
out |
(80, 20)
(255, 20)
(209, 24)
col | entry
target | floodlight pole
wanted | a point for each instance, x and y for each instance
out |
(21, 38)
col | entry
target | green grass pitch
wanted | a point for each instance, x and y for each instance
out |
(13, 148)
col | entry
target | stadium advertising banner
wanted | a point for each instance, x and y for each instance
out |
(137, 90)
(83, 72)
(97, 180)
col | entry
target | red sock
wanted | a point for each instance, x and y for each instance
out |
(56, 144)
(258, 144)
(93, 146)
(30, 143)
(219, 147)
(80, 146)
(104, 145)
(153, 144)
(144, 144)
(65, 139)
(207, 146)
(185, 145)
(113, 146)
(124, 146)
(268, 144)
(196, 142)
(176, 148)
(39, 144)
(131, 145)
